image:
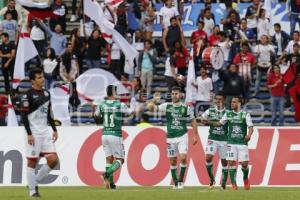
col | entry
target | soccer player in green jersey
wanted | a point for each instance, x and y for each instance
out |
(111, 110)
(240, 130)
(217, 140)
(178, 115)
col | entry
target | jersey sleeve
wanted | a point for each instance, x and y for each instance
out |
(125, 109)
(223, 120)
(249, 120)
(205, 115)
(98, 108)
(25, 108)
(162, 107)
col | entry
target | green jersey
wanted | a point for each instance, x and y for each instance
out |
(238, 123)
(177, 118)
(111, 113)
(215, 115)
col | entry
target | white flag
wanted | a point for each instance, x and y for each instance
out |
(26, 50)
(91, 85)
(60, 104)
(95, 12)
(11, 117)
(190, 89)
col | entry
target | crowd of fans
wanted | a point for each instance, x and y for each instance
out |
(248, 47)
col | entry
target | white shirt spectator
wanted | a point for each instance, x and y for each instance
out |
(208, 25)
(167, 13)
(264, 52)
(263, 27)
(225, 47)
(205, 86)
(49, 65)
(37, 33)
(289, 48)
(115, 52)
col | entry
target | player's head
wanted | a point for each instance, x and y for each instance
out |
(219, 100)
(176, 94)
(4, 37)
(111, 91)
(36, 76)
(236, 103)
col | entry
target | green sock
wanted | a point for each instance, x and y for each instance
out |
(182, 172)
(209, 167)
(245, 172)
(224, 175)
(174, 174)
(114, 167)
(111, 177)
(232, 173)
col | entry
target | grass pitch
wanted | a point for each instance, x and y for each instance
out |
(153, 193)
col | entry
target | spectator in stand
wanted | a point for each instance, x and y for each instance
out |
(121, 25)
(180, 58)
(38, 36)
(290, 46)
(166, 13)
(294, 58)
(205, 88)
(263, 24)
(146, 62)
(233, 84)
(231, 26)
(199, 40)
(245, 33)
(50, 65)
(147, 20)
(265, 52)
(280, 39)
(68, 68)
(95, 45)
(293, 7)
(10, 26)
(60, 9)
(277, 90)
(3, 109)
(117, 61)
(170, 74)
(7, 55)
(125, 98)
(138, 40)
(246, 62)
(225, 44)
(208, 20)
(172, 34)
(57, 39)
(73, 16)
(213, 39)
(229, 4)
(11, 7)
(251, 16)
(78, 45)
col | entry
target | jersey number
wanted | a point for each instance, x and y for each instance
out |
(108, 118)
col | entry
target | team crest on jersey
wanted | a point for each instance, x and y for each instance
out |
(228, 148)
(33, 153)
(182, 110)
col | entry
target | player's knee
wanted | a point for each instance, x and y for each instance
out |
(224, 162)
(209, 158)
(173, 161)
(52, 160)
(232, 163)
(244, 165)
(31, 163)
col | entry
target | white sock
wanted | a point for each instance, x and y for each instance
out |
(31, 180)
(44, 171)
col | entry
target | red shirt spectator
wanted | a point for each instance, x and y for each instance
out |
(276, 81)
(213, 40)
(181, 58)
(196, 36)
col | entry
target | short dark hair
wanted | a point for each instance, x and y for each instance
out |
(296, 45)
(222, 34)
(149, 41)
(111, 90)
(201, 22)
(5, 34)
(220, 93)
(296, 32)
(176, 88)
(277, 24)
(173, 18)
(33, 72)
(238, 97)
